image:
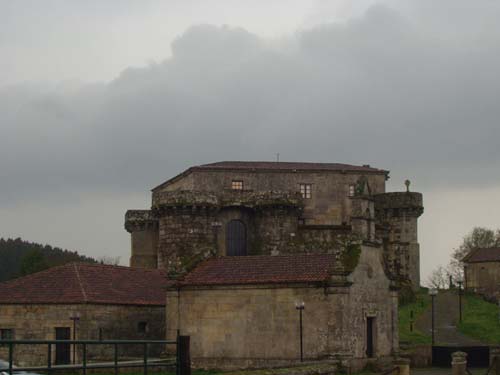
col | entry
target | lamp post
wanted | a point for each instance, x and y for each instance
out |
(300, 307)
(75, 319)
(460, 282)
(433, 293)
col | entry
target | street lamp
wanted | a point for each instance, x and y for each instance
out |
(75, 318)
(433, 293)
(460, 282)
(300, 307)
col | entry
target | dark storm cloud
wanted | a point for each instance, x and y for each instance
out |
(397, 90)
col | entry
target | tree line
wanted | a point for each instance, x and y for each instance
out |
(20, 258)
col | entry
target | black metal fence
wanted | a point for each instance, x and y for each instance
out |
(180, 359)
(477, 356)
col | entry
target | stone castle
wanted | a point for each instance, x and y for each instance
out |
(275, 208)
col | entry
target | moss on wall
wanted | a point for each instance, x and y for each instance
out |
(350, 255)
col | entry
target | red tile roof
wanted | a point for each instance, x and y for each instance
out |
(491, 254)
(87, 283)
(276, 166)
(262, 270)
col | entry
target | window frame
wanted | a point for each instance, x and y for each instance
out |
(237, 185)
(305, 190)
(2, 334)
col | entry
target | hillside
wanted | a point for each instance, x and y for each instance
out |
(18, 257)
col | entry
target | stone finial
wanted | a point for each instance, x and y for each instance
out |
(458, 363)
(403, 364)
(407, 183)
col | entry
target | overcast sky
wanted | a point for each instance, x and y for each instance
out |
(100, 101)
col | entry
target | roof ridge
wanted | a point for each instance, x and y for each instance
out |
(291, 255)
(79, 278)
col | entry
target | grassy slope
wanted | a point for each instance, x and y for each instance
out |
(418, 307)
(480, 320)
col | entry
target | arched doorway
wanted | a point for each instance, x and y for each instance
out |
(236, 238)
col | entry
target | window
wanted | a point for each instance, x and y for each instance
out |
(351, 190)
(237, 185)
(302, 221)
(142, 327)
(6, 334)
(305, 191)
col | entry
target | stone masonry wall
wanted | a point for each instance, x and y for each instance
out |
(186, 236)
(115, 322)
(276, 227)
(483, 278)
(329, 203)
(399, 212)
(143, 229)
(257, 325)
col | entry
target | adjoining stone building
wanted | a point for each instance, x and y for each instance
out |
(241, 311)
(482, 272)
(110, 302)
(246, 240)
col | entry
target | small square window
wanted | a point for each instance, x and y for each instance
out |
(237, 185)
(351, 190)
(302, 221)
(6, 334)
(142, 327)
(305, 190)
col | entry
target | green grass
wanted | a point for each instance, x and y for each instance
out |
(418, 307)
(480, 320)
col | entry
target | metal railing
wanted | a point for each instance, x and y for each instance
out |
(180, 361)
(492, 364)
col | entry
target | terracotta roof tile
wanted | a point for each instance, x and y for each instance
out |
(88, 283)
(491, 254)
(261, 270)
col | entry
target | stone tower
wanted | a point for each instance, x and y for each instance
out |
(397, 214)
(143, 229)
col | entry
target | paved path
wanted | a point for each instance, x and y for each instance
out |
(446, 319)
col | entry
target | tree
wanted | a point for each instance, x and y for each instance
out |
(439, 278)
(114, 261)
(32, 262)
(478, 238)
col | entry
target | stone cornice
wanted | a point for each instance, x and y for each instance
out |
(139, 220)
(227, 198)
(406, 203)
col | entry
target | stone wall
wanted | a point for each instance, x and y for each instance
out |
(329, 203)
(143, 228)
(186, 237)
(398, 213)
(483, 278)
(110, 322)
(257, 325)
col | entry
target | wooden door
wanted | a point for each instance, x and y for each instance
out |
(236, 238)
(63, 351)
(369, 336)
